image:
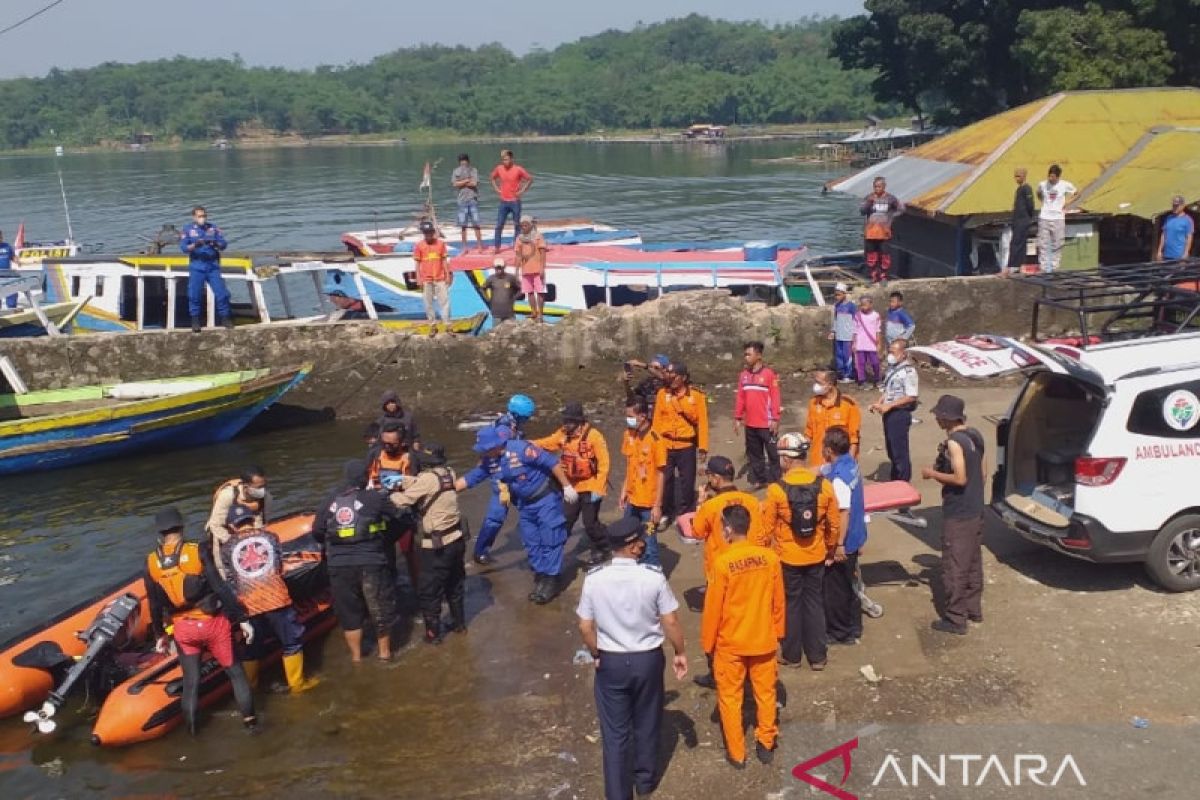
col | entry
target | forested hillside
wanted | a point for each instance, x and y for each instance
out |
(664, 75)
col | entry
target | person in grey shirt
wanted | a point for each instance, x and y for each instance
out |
(625, 613)
(465, 179)
(502, 289)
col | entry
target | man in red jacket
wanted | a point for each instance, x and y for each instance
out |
(758, 407)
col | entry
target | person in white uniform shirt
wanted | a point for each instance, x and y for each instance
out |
(1055, 194)
(625, 612)
(895, 405)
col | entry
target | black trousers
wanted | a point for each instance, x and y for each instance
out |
(843, 609)
(629, 703)
(588, 507)
(962, 568)
(897, 424)
(1018, 245)
(679, 482)
(443, 575)
(762, 454)
(804, 626)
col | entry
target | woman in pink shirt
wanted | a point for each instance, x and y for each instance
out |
(867, 325)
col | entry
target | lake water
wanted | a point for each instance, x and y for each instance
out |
(63, 535)
(305, 198)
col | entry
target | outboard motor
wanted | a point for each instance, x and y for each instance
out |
(110, 628)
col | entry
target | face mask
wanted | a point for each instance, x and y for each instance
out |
(631, 423)
(892, 360)
(256, 492)
(820, 389)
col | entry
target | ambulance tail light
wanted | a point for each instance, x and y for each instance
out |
(1097, 471)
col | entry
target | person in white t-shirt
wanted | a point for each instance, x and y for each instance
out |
(1055, 194)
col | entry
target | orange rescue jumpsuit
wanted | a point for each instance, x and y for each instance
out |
(844, 413)
(742, 623)
(707, 525)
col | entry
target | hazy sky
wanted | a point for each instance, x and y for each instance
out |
(304, 33)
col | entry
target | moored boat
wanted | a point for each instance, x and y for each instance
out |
(25, 321)
(400, 241)
(66, 427)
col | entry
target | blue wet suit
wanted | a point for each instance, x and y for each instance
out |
(203, 245)
(527, 471)
(497, 512)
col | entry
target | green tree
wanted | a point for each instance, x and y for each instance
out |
(1063, 49)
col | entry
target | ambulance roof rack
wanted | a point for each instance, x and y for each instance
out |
(1122, 302)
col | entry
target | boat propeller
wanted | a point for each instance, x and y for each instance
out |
(43, 717)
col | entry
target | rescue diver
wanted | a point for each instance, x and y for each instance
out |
(521, 409)
(190, 603)
(529, 473)
(443, 547)
(352, 524)
(254, 569)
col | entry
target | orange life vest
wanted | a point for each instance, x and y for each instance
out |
(171, 571)
(384, 465)
(578, 457)
(257, 506)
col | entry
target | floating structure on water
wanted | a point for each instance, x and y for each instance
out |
(67, 427)
(400, 241)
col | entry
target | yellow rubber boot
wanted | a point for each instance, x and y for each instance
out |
(293, 669)
(251, 668)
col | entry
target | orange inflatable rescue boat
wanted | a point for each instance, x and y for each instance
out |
(147, 705)
(28, 660)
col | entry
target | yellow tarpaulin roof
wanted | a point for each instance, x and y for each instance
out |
(1165, 163)
(1087, 133)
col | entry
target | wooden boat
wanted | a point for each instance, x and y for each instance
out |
(466, 326)
(147, 706)
(25, 321)
(66, 427)
(559, 232)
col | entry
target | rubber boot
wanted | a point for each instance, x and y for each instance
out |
(433, 630)
(293, 670)
(546, 589)
(458, 617)
(196, 325)
(251, 668)
(537, 586)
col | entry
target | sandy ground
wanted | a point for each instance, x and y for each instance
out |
(1068, 655)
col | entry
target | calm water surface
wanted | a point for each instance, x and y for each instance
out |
(63, 535)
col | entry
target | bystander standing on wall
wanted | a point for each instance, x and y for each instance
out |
(1055, 193)
(1178, 231)
(1022, 221)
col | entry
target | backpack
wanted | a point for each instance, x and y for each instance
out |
(802, 501)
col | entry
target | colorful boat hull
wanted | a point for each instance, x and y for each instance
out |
(201, 416)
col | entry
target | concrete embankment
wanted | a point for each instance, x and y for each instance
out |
(578, 357)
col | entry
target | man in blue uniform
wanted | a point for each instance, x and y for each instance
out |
(529, 473)
(511, 423)
(7, 256)
(202, 242)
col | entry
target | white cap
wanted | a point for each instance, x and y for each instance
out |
(840, 287)
(498, 261)
(526, 218)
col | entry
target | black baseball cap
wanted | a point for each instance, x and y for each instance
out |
(238, 514)
(573, 412)
(431, 454)
(625, 531)
(720, 465)
(679, 368)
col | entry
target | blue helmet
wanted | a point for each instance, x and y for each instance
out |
(521, 405)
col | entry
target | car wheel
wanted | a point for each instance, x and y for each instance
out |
(1174, 558)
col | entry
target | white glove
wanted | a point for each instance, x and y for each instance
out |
(164, 645)
(247, 632)
(570, 496)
